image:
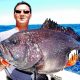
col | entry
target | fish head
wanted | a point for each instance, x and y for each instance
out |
(20, 51)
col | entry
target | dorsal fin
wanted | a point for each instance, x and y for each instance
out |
(52, 25)
(49, 24)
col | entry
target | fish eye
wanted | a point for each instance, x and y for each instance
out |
(14, 41)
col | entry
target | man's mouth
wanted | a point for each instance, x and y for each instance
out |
(22, 18)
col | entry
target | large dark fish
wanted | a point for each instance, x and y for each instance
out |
(44, 50)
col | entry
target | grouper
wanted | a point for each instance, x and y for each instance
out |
(42, 50)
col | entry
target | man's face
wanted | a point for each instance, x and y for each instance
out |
(22, 13)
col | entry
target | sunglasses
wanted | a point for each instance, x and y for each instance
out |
(24, 11)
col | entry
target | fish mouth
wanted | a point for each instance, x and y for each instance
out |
(6, 54)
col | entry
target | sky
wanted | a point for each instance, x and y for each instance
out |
(60, 11)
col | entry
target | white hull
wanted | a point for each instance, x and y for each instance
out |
(67, 75)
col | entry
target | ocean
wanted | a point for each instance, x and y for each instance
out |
(76, 27)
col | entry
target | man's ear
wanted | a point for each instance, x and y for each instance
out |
(30, 15)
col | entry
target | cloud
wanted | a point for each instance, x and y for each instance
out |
(60, 16)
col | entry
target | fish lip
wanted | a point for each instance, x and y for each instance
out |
(6, 53)
(2, 50)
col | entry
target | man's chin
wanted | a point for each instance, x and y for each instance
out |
(22, 21)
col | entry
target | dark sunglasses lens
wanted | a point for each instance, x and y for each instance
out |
(26, 12)
(17, 11)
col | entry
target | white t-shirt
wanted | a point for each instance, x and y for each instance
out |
(6, 34)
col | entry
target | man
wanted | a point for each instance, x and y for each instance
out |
(22, 15)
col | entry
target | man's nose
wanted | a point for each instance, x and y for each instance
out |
(22, 12)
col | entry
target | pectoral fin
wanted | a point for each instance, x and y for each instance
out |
(72, 61)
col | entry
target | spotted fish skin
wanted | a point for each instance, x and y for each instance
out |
(47, 50)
